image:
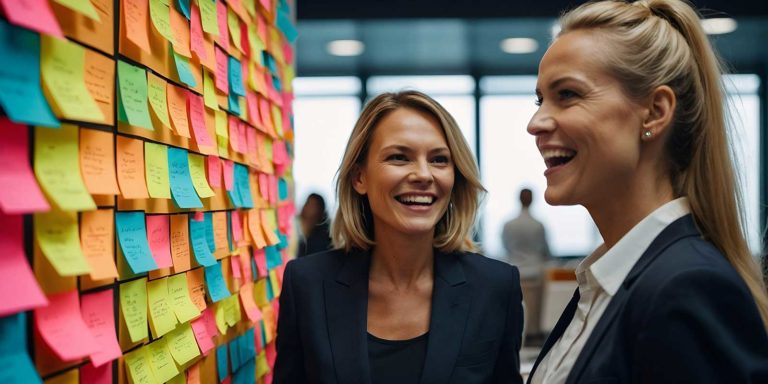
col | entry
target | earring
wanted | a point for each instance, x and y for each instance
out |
(647, 134)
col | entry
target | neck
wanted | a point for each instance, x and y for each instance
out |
(402, 261)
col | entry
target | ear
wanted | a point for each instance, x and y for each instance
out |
(358, 180)
(661, 110)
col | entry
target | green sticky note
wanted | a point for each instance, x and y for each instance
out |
(83, 6)
(182, 343)
(161, 360)
(209, 90)
(162, 319)
(277, 118)
(62, 65)
(57, 168)
(178, 292)
(133, 305)
(234, 28)
(132, 83)
(58, 236)
(209, 16)
(197, 172)
(156, 170)
(160, 14)
(139, 367)
(157, 98)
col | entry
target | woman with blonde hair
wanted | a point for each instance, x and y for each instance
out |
(631, 125)
(402, 298)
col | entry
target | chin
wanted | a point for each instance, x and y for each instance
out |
(555, 197)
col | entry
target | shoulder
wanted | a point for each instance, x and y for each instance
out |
(317, 264)
(492, 272)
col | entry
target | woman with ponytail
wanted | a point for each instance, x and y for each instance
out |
(632, 126)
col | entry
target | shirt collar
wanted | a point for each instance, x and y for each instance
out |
(609, 268)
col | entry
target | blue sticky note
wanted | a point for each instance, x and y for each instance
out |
(270, 293)
(221, 362)
(234, 103)
(246, 374)
(285, 25)
(200, 243)
(243, 186)
(273, 257)
(263, 332)
(214, 280)
(182, 67)
(234, 354)
(254, 270)
(20, 92)
(183, 7)
(182, 190)
(234, 196)
(236, 77)
(282, 189)
(209, 237)
(249, 345)
(283, 241)
(13, 351)
(276, 83)
(132, 236)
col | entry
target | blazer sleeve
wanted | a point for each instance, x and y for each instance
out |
(289, 365)
(507, 369)
(703, 327)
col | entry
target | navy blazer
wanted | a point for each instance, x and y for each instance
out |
(682, 315)
(474, 331)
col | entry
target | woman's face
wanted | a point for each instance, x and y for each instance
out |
(408, 173)
(587, 130)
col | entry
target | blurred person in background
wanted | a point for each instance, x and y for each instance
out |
(315, 226)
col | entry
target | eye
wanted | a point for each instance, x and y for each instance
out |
(397, 157)
(566, 94)
(442, 159)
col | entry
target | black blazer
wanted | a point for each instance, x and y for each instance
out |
(474, 332)
(682, 315)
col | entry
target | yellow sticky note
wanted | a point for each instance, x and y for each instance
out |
(162, 319)
(222, 136)
(161, 18)
(57, 167)
(262, 367)
(209, 17)
(275, 283)
(139, 367)
(209, 91)
(158, 99)
(178, 292)
(234, 28)
(260, 292)
(183, 344)
(58, 236)
(277, 117)
(232, 313)
(83, 6)
(62, 65)
(197, 171)
(133, 305)
(162, 362)
(156, 166)
(220, 315)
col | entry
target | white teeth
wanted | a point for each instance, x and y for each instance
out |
(550, 153)
(416, 199)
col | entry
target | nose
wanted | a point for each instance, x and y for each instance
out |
(541, 123)
(421, 172)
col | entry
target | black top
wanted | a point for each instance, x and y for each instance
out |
(396, 361)
(319, 240)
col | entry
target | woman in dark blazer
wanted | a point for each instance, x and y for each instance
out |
(402, 299)
(631, 126)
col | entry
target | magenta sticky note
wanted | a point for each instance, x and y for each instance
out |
(20, 192)
(229, 174)
(214, 171)
(245, 264)
(159, 236)
(32, 14)
(198, 216)
(221, 15)
(15, 274)
(261, 261)
(210, 322)
(98, 314)
(237, 227)
(197, 119)
(96, 375)
(236, 272)
(222, 71)
(61, 326)
(204, 340)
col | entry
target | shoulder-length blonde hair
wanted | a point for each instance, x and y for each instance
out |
(661, 42)
(353, 225)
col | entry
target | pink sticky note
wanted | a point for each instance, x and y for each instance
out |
(197, 117)
(204, 340)
(214, 171)
(97, 310)
(198, 216)
(25, 195)
(279, 153)
(196, 40)
(241, 137)
(16, 278)
(264, 185)
(233, 135)
(32, 14)
(61, 326)
(267, 4)
(276, 308)
(251, 146)
(245, 264)
(210, 322)
(236, 272)
(273, 189)
(159, 236)
(271, 354)
(288, 53)
(252, 102)
(221, 15)
(96, 375)
(222, 71)
(261, 261)
(237, 227)
(229, 174)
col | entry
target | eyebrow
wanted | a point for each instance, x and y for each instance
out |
(404, 148)
(561, 80)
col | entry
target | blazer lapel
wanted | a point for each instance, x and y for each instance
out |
(557, 332)
(680, 228)
(450, 307)
(346, 306)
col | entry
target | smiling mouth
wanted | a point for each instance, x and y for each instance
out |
(557, 157)
(416, 200)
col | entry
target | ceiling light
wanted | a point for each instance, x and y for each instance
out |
(346, 47)
(719, 25)
(517, 45)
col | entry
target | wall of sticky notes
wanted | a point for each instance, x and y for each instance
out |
(145, 188)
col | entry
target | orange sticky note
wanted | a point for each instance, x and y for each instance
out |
(220, 229)
(97, 162)
(136, 14)
(254, 227)
(180, 30)
(130, 168)
(196, 281)
(177, 108)
(97, 234)
(180, 242)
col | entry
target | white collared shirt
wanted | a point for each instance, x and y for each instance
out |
(599, 277)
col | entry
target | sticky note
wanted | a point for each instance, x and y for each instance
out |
(182, 343)
(180, 243)
(177, 108)
(61, 326)
(139, 367)
(213, 165)
(62, 64)
(178, 292)
(222, 70)
(204, 340)
(209, 16)
(209, 235)
(97, 162)
(243, 185)
(97, 310)
(214, 280)
(200, 244)
(158, 99)
(162, 319)
(96, 375)
(81, 6)
(180, 30)
(132, 91)
(220, 229)
(97, 240)
(132, 236)
(160, 14)
(13, 340)
(236, 77)
(197, 173)
(156, 165)
(184, 70)
(196, 282)
(57, 168)
(32, 14)
(162, 362)
(221, 362)
(196, 39)
(57, 234)
(209, 91)
(182, 189)
(232, 310)
(221, 321)
(159, 236)
(234, 29)
(197, 119)
(136, 26)
(15, 273)
(130, 168)
(184, 6)
(249, 304)
(133, 305)
(20, 93)
(221, 21)
(254, 227)
(25, 196)
(285, 24)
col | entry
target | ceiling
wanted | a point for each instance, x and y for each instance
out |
(449, 37)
